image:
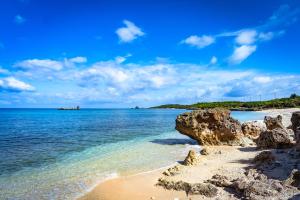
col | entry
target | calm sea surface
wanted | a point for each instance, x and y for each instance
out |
(54, 154)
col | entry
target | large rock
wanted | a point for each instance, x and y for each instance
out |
(253, 129)
(296, 125)
(275, 138)
(273, 122)
(210, 127)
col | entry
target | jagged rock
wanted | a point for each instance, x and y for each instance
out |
(204, 151)
(253, 129)
(191, 159)
(265, 157)
(275, 138)
(210, 127)
(220, 181)
(273, 122)
(296, 125)
(256, 186)
(207, 190)
(196, 188)
(293, 179)
(173, 170)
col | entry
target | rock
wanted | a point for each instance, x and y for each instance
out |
(173, 170)
(196, 188)
(210, 127)
(204, 151)
(295, 121)
(265, 157)
(220, 181)
(191, 159)
(293, 179)
(256, 186)
(273, 122)
(207, 190)
(275, 138)
(253, 129)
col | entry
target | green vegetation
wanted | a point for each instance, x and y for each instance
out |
(293, 101)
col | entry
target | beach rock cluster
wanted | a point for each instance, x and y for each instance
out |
(210, 127)
(257, 186)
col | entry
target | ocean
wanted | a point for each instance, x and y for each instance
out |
(55, 154)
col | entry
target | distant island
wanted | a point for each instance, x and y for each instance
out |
(291, 102)
(76, 108)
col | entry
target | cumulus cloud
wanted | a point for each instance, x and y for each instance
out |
(213, 60)
(19, 19)
(48, 64)
(262, 79)
(129, 33)
(14, 85)
(246, 37)
(199, 41)
(241, 53)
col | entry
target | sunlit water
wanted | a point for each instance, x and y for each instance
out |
(52, 154)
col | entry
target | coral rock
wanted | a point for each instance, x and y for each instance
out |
(191, 159)
(253, 129)
(274, 122)
(276, 138)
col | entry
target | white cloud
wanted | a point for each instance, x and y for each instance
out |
(213, 60)
(199, 41)
(241, 53)
(262, 79)
(246, 37)
(3, 71)
(40, 64)
(129, 33)
(78, 59)
(19, 19)
(15, 85)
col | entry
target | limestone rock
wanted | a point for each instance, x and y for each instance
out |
(191, 159)
(210, 126)
(275, 138)
(207, 190)
(293, 179)
(173, 170)
(265, 157)
(253, 129)
(296, 125)
(220, 181)
(204, 151)
(273, 122)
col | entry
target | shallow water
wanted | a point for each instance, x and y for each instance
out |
(52, 154)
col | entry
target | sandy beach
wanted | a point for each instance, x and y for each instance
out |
(225, 160)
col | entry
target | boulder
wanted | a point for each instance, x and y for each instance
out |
(173, 170)
(253, 129)
(191, 159)
(273, 122)
(205, 151)
(264, 158)
(210, 127)
(275, 138)
(293, 179)
(296, 125)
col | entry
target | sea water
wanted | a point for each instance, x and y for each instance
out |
(55, 154)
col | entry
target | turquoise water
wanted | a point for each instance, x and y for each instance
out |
(52, 154)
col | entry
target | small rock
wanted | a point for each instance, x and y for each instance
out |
(204, 151)
(273, 122)
(275, 138)
(293, 179)
(173, 170)
(253, 129)
(265, 157)
(191, 159)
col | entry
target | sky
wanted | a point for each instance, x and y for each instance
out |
(120, 54)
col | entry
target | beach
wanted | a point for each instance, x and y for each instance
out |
(224, 160)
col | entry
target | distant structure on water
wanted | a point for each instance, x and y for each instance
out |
(76, 108)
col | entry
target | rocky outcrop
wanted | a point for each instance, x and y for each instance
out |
(275, 138)
(274, 122)
(207, 190)
(173, 170)
(191, 159)
(210, 127)
(296, 125)
(253, 129)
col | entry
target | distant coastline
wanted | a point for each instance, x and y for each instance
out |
(292, 102)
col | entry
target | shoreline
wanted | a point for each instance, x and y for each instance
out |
(142, 185)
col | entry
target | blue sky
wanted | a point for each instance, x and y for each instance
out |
(126, 53)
